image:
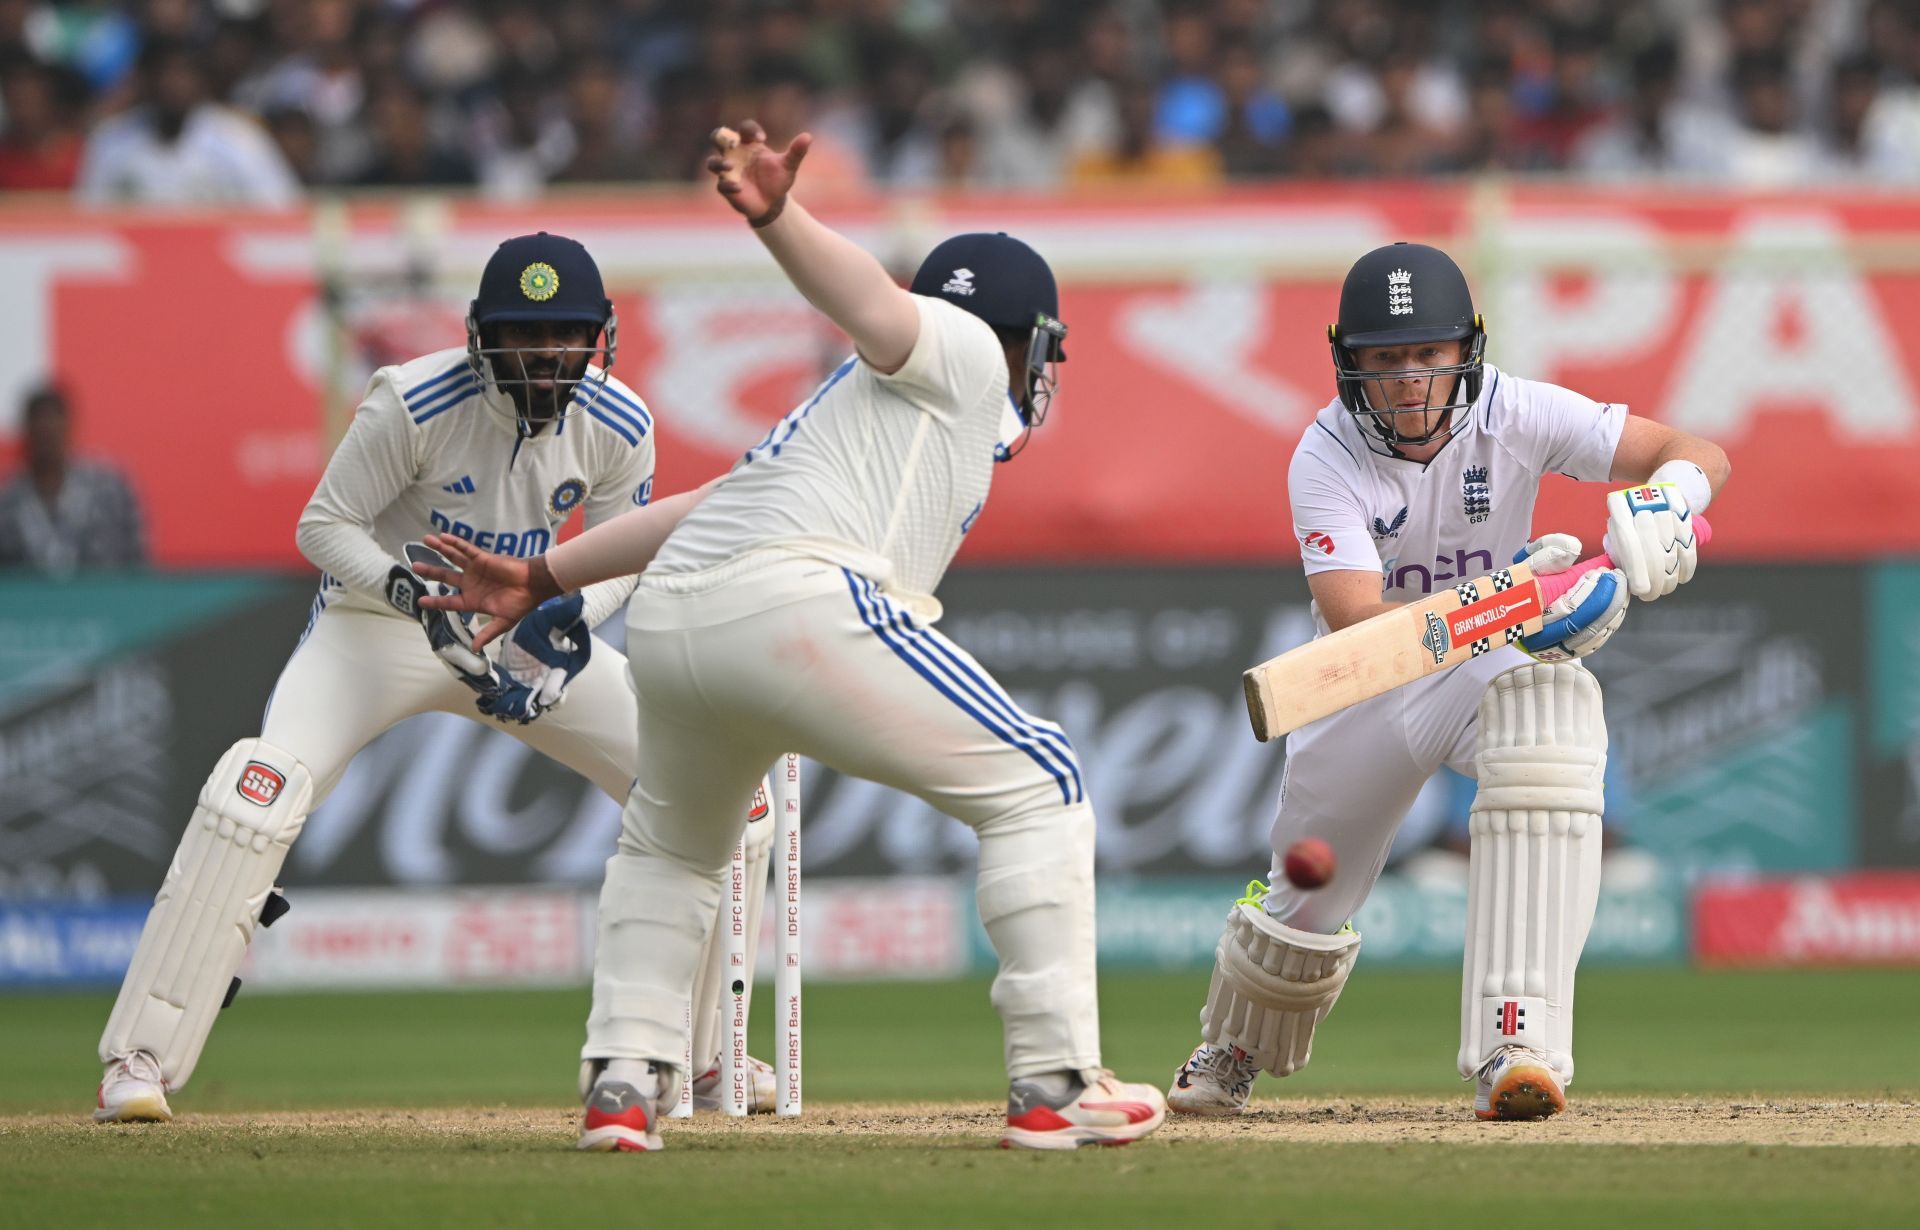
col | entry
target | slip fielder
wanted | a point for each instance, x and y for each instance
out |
(792, 607)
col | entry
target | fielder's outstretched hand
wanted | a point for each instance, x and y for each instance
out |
(498, 586)
(753, 176)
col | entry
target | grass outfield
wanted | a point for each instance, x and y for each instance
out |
(1738, 1080)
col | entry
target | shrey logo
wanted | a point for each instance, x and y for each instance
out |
(961, 283)
(1493, 613)
(1400, 293)
(1318, 541)
(260, 784)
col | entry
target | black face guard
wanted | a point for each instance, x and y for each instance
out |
(496, 363)
(1046, 350)
(1377, 425)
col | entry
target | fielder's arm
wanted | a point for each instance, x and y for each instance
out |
(836, 275)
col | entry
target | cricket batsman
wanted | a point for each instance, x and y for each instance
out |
(1421, 473)
(793, 608)
(495, 443)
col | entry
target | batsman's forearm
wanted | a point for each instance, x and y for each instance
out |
(622, 546)
(845, 282)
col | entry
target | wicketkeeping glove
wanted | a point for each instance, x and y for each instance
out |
(1582, 619)
(448, 632)
(546, 650)
(1650, 537)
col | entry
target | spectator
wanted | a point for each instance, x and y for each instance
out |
(1769, 149)
(59, 514)
(298, 140)
(605, 149)
(39, 144)
(523, 140)
(179, 147)
(1657, 133)
(1407, 139)
(1576, 100)
(1254, 136)
(406, 153)
(1036, 115)
(1191, 107)
(318, 71)
(1869, 132)
(1142, 157)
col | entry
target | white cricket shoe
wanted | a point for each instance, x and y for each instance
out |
(1215, 1080)
(132, 1090)
(761, 1088)
(1517, 1082)
(1050, 1112)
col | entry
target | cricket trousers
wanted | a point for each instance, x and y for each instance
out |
(765, 657)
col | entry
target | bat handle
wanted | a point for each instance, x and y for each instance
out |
(1554, 585)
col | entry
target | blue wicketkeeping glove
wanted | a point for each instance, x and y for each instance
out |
(449, 633)
(543, 654)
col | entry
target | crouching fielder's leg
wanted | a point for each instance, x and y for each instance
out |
(250, 811)
(1535, 881)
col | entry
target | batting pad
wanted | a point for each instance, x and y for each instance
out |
(1272, 985)
(250, 811)
(1534, 871)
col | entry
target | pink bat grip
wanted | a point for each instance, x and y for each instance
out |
(1551, 587)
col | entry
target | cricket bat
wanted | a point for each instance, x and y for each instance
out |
(1396, 647)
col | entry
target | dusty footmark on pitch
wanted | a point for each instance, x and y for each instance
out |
(1610, 1121)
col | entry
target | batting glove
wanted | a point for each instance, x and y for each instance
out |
(1582, 619)
(1650, 537)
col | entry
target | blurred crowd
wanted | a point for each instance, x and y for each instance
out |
(178, 101)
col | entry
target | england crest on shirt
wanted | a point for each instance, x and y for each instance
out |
(1476, 494)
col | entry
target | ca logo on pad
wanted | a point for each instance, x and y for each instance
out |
(260, 784)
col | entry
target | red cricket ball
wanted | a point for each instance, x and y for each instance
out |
(1308, 863)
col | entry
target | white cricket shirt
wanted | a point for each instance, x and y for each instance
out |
(880, 474)
(1463, 514)
(434, 448)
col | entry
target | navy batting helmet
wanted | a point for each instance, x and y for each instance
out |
(1402, 295)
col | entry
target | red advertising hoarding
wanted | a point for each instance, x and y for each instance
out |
(204, 350)
(1867, 918)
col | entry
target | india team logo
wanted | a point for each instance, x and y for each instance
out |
(539, 282)
(567, 497)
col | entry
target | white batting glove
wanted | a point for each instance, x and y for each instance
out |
(1582, 619)
(1650, 537)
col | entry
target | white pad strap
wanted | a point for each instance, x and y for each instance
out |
(250, 810)
(1272, 984)
(712, 983)
(1535, 862)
